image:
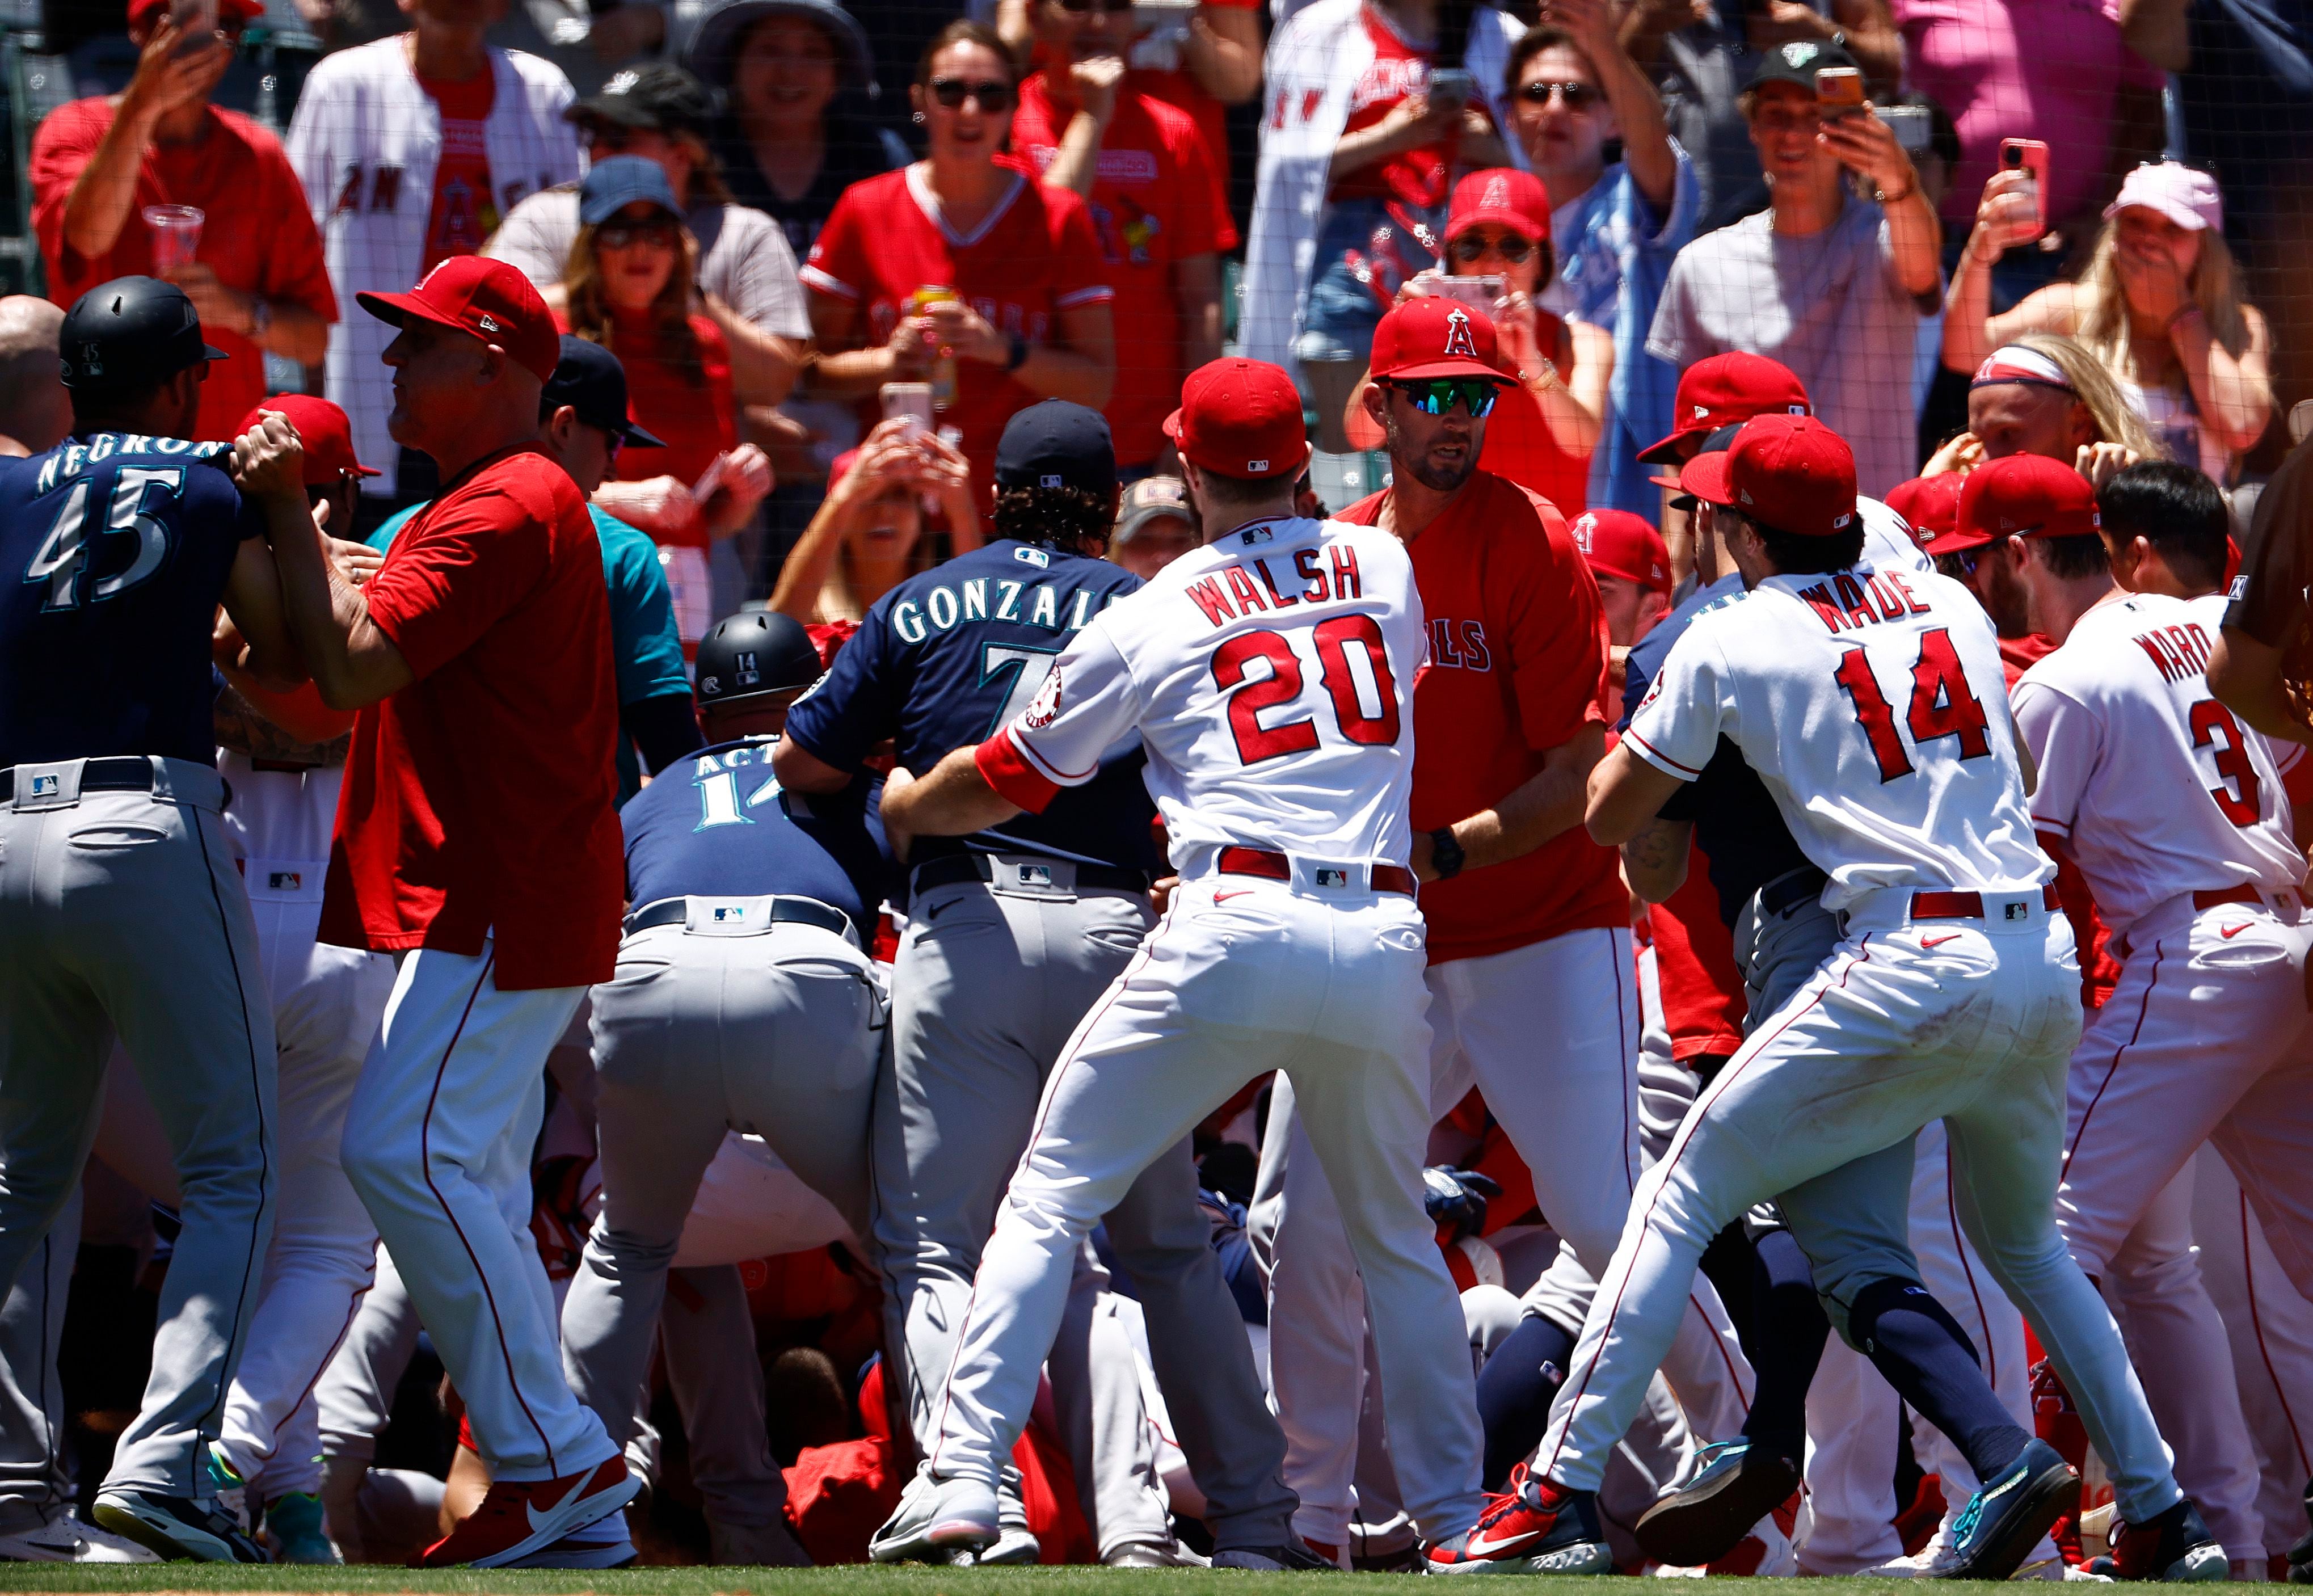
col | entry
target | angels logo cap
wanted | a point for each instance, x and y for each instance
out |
(486, 298)
(1504, 197)
(1432, 337)
(2027, 495)
(322, 428)
(1617, 543)
(1241, 419)
(1723, 391)
(1789, 472)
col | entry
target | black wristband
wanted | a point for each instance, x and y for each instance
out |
(1445, 855)
(1018, 357)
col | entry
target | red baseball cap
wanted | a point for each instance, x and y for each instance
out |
(1721, 390)
(1504, 197)
(323, 428)
(228, 10)
(1617, 543)
(487, 299)
(1929, 505)
(1432, 337)
(2026, 496)
(1789, 472)
(1241, 419)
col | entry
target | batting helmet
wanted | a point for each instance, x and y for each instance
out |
(752, 653)
(131, 331)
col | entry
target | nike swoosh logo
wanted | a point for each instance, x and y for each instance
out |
(1927, 943)
(1480, 1547)
(539, 1521)
(2231, 932)
(1223, 897)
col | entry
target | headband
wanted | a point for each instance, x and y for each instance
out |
(2013, 363)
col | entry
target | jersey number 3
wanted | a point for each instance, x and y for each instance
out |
(64, 555)
(1282, 684)
(1941, 705)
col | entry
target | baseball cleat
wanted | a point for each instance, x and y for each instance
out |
(519, 1517)
(603, 1544)
(2175, 1548)
(2005, 1520)
(1290, 1558)
(937, 1518)
(755, 1545)
(2300, 1556)
(176, 1527)
(1537, 1526)
(1734, 1486)
(295, 1532)
(65, 1539)
(223, 1483)
(1149, 1554)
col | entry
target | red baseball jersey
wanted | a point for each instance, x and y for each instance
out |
(1703, 999)
(1031, 258)
(1415, 177)
(1517, 665)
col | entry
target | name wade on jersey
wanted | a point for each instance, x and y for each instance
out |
(1850, 602)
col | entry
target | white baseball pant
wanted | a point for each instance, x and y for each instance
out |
(437, 1143)
(1327, 989)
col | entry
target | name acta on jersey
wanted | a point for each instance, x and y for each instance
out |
(72, 459)
(985, 598)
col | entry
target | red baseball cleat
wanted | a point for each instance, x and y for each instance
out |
(519, 1517)
(1536, 1526)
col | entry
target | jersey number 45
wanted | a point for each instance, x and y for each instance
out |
(64, 556)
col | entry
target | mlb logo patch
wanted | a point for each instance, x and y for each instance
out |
(1254, 535)
(1035, 874)
(47, 785)
(1332, 878)
(1033, 556)
(285, 880)
(2018, 911)
(730, 913)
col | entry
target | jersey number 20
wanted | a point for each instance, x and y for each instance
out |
(1282, 684)
(1941, 705)
(63, 558)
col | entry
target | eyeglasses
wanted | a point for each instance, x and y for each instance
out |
(1469, 250)
(1577, 95)
(1961, 564)
(625, 235)
(1437, 396)
(953, 92)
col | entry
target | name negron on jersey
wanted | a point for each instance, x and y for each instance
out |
(75, 458)
(2176, 651)
(1847, 603)
(1328, 579)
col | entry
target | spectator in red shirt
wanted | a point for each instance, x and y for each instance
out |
(1024, 314)
(257, 278)
(630, 286)
(477, 841)
(1157, 207)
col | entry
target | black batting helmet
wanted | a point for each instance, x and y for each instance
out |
(750, 654)
(128, 331)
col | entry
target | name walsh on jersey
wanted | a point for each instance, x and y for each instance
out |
(1249, 586)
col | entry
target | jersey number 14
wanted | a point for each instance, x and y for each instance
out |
(1941, 706)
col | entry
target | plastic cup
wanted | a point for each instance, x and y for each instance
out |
(176, 235)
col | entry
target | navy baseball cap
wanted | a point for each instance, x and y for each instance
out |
(1798, 61)
(589, 379)
(131, 329)
(1055, 444)
(659, 99)
(614, 184)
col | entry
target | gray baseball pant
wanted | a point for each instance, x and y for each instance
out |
(122, 913)
(35, 1484)
(988, 985)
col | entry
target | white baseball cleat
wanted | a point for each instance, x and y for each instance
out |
(937, 1518)
(65, 1539)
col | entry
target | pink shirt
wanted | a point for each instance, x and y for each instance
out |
(2043, 69)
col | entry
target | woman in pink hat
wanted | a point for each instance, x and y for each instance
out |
(2159, 305)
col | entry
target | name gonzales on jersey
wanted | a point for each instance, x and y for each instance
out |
(946, 605)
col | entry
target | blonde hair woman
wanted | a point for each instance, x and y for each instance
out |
(2159, 307)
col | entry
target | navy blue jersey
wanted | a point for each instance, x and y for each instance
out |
(113, 553)
(1735, 821)
(945, 659)
(715, 823)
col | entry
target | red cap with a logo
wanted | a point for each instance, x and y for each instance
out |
(1240, 418)
(2025, 496)
(1721, 390)
(1790, 474)
(1503, 197)
(323, 430)
(1432, 337)
(1617, 543)
(487, 299)
(1929, 505)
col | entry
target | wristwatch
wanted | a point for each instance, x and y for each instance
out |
(1445, 855)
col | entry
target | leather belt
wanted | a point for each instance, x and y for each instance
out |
(122, 773)
(1967, 906)
(1791, 888)
(286, 767)
(793, 910)
(2222, 895)
(978, 867)
(1272, 866)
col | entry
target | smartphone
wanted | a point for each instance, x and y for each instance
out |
(197, 24)
(1479, 292)
(1911, 127)
(2030, 156)
(1452, 86)
(1838, 90)
(911, 402)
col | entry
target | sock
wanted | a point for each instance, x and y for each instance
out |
(1791, 1330)
(1515, 1391)
(1930, 1361)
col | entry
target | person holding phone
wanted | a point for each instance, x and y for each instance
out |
(874, 529)
(2160, 306)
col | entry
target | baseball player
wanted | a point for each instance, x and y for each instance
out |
(120, 911)
(2181, 826)
(1267, 676)
(1013, 932)
(1952, 998)
(477, 841)
(741, 1002)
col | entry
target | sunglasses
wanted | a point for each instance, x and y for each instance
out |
(622, 235)
(1469, 251)
(1579, 96)
(1437, 396)
(953, 92)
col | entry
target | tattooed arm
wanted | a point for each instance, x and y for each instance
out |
(242, 729)
(1654, 861)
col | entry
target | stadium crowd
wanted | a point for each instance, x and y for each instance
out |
(616, 508)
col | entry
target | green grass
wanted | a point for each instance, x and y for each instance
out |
(860, 1582)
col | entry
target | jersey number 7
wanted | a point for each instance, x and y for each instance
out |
(1941, 705)
(1282, 684)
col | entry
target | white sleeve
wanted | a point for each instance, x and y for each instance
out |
(1089, 703)
(765, 288)
(1678, 723)
(2067, 744)
(523, 243)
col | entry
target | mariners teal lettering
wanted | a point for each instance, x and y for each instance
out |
(1008, 600)
(908, 621)
(1083, 610)
(975, 599)
(940, 602)
(1048, 609)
